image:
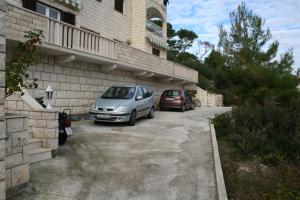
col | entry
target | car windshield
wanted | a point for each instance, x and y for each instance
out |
(171, 93)
(119, 93)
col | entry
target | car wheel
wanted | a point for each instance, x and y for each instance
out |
(193, 106)
(132, 118)
(161, 109)
(183, 108)
(151, 114)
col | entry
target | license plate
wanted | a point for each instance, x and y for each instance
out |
(169, 99)
(69, 131)
(103, 116)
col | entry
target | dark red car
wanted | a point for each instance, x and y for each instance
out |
(179, 99)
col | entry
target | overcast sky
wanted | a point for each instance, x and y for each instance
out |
(205, 16)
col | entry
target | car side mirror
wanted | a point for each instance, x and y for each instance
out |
(139, 98)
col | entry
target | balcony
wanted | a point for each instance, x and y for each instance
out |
(58, 35)
(153, 28)
(63, 39)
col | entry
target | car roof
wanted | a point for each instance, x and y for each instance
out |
(130, 86)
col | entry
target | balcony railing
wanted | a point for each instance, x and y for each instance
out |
(68, 36)
(152, 27)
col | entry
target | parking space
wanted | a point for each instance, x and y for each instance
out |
(168, 157)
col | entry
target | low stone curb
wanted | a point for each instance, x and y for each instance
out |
(221, 189)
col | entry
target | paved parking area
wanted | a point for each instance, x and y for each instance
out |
(168, 157)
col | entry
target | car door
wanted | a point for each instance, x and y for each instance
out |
(140, 104)
(189, 101)
(147, 100)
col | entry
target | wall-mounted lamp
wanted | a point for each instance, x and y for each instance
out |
(49, 91)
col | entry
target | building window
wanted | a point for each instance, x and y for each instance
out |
(49, 11)
(155, 51)
(119, 4)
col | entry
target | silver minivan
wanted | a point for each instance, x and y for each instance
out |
(123, 104)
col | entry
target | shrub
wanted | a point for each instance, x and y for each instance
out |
(270, 133)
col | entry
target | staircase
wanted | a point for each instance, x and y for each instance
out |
(36, 151)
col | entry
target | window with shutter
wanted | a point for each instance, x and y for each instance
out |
(155, 51)
(68, 18)
(119, 4)
(49, 11)
(30, 4)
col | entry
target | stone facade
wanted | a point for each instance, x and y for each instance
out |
(77, 85)
(2, 97)
(207, 98)
(20, 20)
(100, 17)
(42, 123)
(17, 167)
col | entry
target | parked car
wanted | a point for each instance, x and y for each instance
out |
(123, 104)
(179, 99)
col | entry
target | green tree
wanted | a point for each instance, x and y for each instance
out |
(243, 44)
(243, 70)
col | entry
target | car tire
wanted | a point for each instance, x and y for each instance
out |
(151, 114)
(161, 109)
(193, 107)
(132, 118)
(183, 108)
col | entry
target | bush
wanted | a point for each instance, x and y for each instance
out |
(270, 133)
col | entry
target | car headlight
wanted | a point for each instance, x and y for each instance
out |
(121, 108)
(94, 107)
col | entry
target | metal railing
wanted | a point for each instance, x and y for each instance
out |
(154, 28)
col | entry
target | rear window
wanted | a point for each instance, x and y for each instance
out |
(171, 93)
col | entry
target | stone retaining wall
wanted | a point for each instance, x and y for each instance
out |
(42, 123)
(2, 97)
(77, 85)
(17, 167)
(207, 98)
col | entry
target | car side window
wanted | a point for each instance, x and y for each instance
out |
(146, 92)
(188, 95)
(140, 93)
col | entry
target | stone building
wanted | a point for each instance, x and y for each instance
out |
(90, 45)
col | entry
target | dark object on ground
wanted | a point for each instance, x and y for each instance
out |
(64, 121)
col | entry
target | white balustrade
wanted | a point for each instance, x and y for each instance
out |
(65, 35)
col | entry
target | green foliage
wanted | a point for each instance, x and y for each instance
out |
(269, 132)
(23, 55)
(243, 71)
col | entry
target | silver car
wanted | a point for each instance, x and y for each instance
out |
(123, 104)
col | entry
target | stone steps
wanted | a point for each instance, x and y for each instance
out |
(36, 151)
(34, 143)
(39, 154)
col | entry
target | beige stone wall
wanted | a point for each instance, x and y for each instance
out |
(101, 17)
(42, 123)
(207, 98)
(2, 97)
(138, 27)
(17, 167)
(77, 85)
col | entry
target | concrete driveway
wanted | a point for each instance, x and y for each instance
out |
(169, 157)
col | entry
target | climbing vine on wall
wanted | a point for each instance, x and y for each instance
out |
(22, 56)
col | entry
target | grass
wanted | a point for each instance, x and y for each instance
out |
(251, 180)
